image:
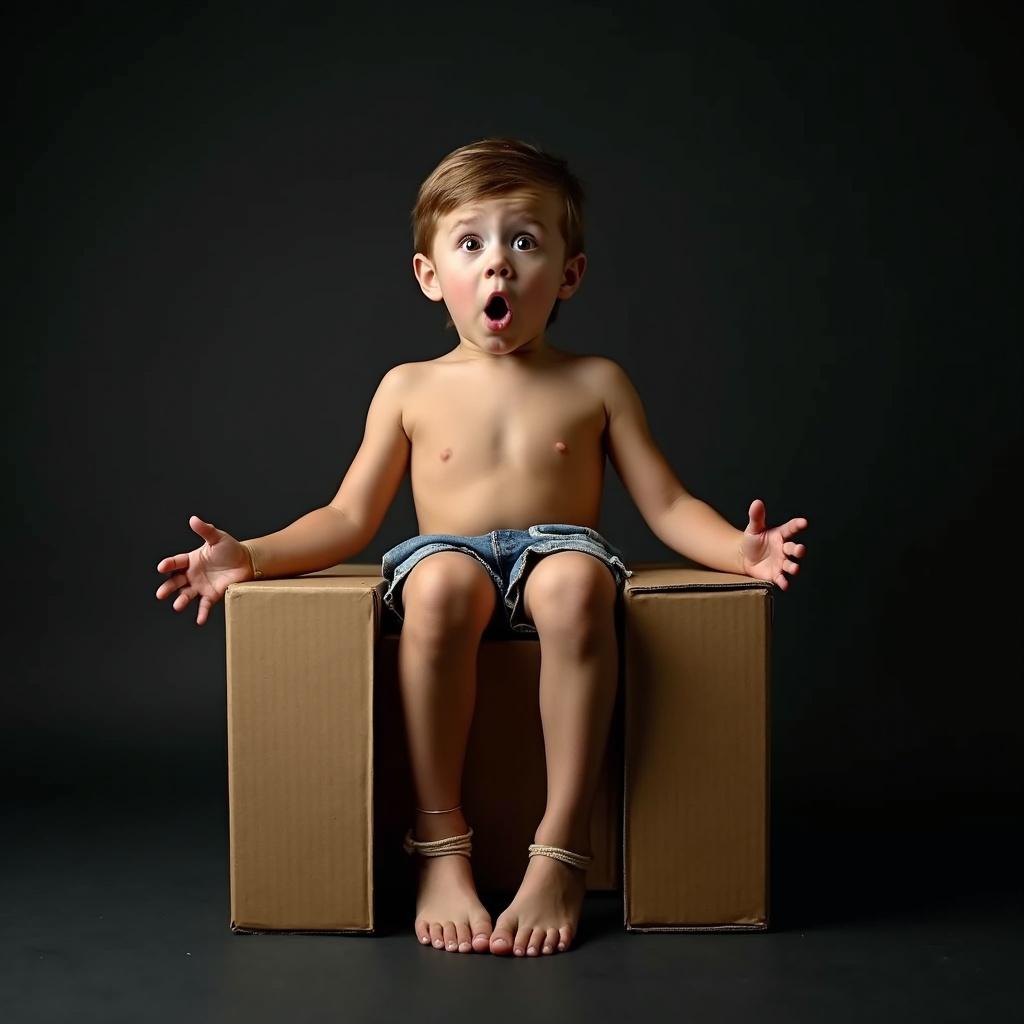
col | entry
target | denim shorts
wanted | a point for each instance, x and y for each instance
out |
(505, 554)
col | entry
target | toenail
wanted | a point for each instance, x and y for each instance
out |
(451, 945)
(532, 949)
(547, 949)
(561, 945)
(464, 946)
(480, 936)
(423, 938)
(438, 943)
(519, 951)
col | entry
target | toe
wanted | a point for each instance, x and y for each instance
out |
(550, 941)
(451, 941)
(462, 934)
(501, 942)
(522, 941)
(533, 947)
(564, 937)
(481, 935)
(436, 934)
(501, 937)
(423, 932)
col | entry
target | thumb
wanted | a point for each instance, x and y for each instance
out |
(756, 514)
(207, 531)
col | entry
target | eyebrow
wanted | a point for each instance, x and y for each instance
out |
(465, 221)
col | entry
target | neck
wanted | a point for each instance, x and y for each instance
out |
(532, 351)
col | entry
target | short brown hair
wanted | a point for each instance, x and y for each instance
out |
(493, 167)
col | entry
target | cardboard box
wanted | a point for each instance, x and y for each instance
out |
(319, 787)
(696, 756)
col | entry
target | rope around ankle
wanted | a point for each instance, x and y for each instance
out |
(576, 860)
(439, 847)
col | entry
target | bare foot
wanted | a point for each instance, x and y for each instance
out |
(448, 910)
(543, 915)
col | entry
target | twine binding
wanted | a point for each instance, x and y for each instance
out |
(439, 847)
(576, 860)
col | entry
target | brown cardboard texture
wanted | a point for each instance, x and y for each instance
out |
(319, 788)
(696, 752)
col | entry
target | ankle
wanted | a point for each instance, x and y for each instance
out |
(562, 834)
(439, 826)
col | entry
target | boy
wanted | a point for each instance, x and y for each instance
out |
(505, 437)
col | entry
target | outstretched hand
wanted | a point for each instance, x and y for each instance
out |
(205, 572)
(767, 554)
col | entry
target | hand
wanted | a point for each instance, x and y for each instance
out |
(205, 572)
(764, 552)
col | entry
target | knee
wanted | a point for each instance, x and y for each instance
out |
(575, 600)
(445, 592)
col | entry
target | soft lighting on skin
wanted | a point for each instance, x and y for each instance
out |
(509, 243)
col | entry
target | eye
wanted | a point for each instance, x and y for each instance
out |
(468, 238)
(529, 238)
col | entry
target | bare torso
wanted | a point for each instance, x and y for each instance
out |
(497, 445)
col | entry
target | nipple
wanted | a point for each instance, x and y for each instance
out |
(446, 454)
(560, 445)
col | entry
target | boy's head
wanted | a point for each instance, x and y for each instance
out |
(468, 222)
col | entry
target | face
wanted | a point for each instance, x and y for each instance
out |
(512, 245)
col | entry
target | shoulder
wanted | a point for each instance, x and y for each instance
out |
(402, 378)
(408, 383)
(392, 396)
(415, 371)
(600, 364)
(607, 379)
(601, 368)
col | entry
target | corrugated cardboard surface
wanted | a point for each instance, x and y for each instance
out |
(696, 814)
(300, 671)
(314, 706)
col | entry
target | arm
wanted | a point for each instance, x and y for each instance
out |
(689, 526)
(329, 535)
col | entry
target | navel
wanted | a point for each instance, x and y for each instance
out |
(446, 454)
(561, 446)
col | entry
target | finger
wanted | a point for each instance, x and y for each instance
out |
(172, 562)
(169, 586)
(181, 601)
(791, 567)
(204, 610)
(794, 526)
(781, 582)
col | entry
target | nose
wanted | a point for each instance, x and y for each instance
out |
(500, 266)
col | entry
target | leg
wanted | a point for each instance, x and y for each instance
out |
(570, 598)
(448, 599)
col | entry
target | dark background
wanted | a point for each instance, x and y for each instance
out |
(804, 242)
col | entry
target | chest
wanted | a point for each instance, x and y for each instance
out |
(495, 422)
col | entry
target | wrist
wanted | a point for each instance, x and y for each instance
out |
(254, 571)
(740, 559)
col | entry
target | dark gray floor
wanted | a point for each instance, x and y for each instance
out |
(117, 910)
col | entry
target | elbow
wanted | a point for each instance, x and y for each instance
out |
(355, 525)
(675, 496)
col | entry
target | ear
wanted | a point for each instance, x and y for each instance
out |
(572, 275)
(427, 277)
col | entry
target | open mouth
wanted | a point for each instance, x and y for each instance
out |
(497, 312)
